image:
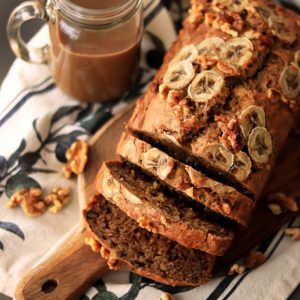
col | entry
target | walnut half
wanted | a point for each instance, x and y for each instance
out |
(57, 199)
(30, 201)
(77, 158)
(254, 260)
(279, 202)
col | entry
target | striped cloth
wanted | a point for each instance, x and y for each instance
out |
(38, 123)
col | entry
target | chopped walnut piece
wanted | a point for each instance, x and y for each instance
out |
(166, 296)
(77, 158)
(95, 246)
(30, 201)
(226, 28)
(195, 12)
(163, 91)
(279, 202)
(236, 269)
(57, 199)
(254, 260)
(294, 232)
(252, 35)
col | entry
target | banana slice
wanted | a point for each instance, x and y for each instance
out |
(237, 51)
(159, 162)
(281, 28)
(179, 75)
(297, 59)
(200, 181)
(188, 53)
(205, 86)
(264, 11)
(260, 145)
(210, 47)
(218, 156)
(290, 82)
(242, 166)
(251, 117)
(234, 5)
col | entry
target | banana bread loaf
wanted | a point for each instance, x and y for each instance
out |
(124, 243)
(184, 179)
(226, 95)
(159, 210)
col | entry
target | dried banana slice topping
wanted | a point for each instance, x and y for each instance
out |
(159, 162)
(188, 53)
(242, 166)
(237, 51)
(290, 82)
(210, 47)
(264, 11)
(179, 75)
(234, 5)
(297, 59)
(205, 86)
(251, 117)
(218, 156)
(260, 145)
(281, 28)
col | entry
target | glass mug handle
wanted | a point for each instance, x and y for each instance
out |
(24, 12)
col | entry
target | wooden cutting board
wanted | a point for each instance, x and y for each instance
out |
(72, 268)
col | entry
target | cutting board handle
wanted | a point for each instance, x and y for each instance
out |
(65, 274)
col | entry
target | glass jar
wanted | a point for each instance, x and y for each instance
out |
(94, 45)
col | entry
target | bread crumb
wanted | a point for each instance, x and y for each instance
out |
(275, 209)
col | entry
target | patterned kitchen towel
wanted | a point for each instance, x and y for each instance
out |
(38, 123)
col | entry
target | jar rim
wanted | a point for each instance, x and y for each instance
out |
(105, 17)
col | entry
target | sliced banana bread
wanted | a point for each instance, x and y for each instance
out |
(146, 253)
(161, 211)
(184, 179)
(225, 98)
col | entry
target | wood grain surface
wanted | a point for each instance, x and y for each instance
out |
(73, 267)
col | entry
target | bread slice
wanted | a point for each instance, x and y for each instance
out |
(145, 253)
(184, 179)
(170, 119)
(159, 210)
